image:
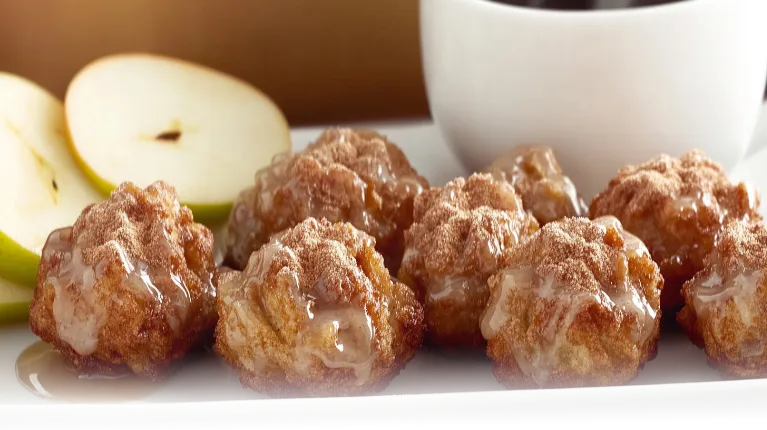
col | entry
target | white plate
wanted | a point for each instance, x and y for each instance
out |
(432, 388)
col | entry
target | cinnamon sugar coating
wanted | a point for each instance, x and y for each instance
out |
(130, 287)
(726, 302)
(576, 305)
(677, 207)
(356, 176)
(457, 239)
(535, 174)
(316, 312)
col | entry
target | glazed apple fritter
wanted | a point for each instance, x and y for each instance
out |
(456, 242)
(535, 174)
(355, 176)
(315, 312)
(677, 207)
(576, 305)
(726, 302)
(130, 287)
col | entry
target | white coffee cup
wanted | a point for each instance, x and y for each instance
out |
(604, 88)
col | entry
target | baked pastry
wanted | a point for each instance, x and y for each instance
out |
(576, 305)
(535, 174)
(678, 207)
(459, 235)
(130, 287)
(726, 302)
(315, 312)
(348, 175)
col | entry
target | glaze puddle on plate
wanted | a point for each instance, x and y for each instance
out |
(44, 372)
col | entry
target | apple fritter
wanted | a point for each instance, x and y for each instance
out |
(535, 174)
(355, 176)
(315, 312)
(457, 240)
(130, 287)
(576, 305)
(725, 302)
(677, 207)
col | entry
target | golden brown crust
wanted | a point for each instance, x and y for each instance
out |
(131, 286)
(458, 237)
(355, 176)
(611, 362)
(316, 312)
(576, 305)
(677, 207)
(725, 302)
(535, 174)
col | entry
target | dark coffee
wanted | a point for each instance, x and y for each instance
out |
(586, 4)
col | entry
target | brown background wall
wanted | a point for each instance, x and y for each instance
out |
(321, 60)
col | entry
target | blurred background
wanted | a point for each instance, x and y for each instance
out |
(322, 61)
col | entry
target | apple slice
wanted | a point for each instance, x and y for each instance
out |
(41, 187)
(14, 302)
(143, 118)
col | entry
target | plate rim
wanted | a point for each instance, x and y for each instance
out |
(456, 409)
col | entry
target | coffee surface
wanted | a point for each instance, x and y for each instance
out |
(586, 4)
